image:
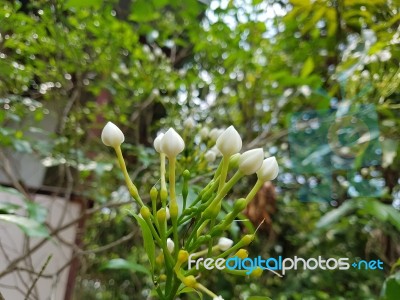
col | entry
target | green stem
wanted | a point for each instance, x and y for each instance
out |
(203, 252)
(162, 174)
(224, 172)
(173, 207)
(174, 289)
(194, 231)
(153, 230)
(201, 228)
(131, 187)
(213, 205)
(254, 191)
(211, 242)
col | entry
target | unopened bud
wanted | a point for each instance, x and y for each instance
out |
(170, 245)
(145, 212)
(239, 205)
(269, 169)
(112, 136)
(189, 281)
(224, 243)
(161, 215)
(251, 161)
(242, 253)
(229, 142)
(157, 142)
(153, 194)
(183, 256)
(172, 143)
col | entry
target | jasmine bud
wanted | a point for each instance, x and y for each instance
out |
(170, 245)
(171, 143)
(153, 194)
(204, 133)
(224, 243)
(240, 205)
(145, 212)
(234, 161)
(157, 142)
(210, 156)
(251, 161)
(112, 136)
(189, 281)
(229, 142)
(242, 253)
(214, 134)
(189, 123)
(269, 169)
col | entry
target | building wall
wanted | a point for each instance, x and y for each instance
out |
(13, 244)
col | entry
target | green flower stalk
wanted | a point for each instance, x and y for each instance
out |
(112, 136)
(196, 227)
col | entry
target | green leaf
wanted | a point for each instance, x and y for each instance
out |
(258, 298)
(83, 4)
(335, 215)
(308, 67)
(391, 288)
(122, 264)
(8, 208)
(29, 226)
(12, 191)
(36, 211)
(143, 11)
(22, 146)
(383, 212)
(149, 246)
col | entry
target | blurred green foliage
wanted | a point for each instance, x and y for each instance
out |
(147, 65)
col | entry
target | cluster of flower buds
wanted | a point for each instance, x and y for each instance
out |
(177, 229)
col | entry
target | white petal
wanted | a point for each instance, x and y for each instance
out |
(224, 243)
(171, 143)
(189, 123)
(111, 135)
(157, 142)
(251, 161)
(170, 245)
(210, 156)
(214, 134)
(204, 132)
(269, 169)
(229, 142)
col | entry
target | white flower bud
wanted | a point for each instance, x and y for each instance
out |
(224, 243)
(157, 142)
(214, 134)
(170, 245)
(171, 143)
(204, 132)
(112, 136)
(210, 156)
(167, 214)
(218, 298)
(189, 123)
(229, 142)
(251, 161)
(269, 169)
(216, 151)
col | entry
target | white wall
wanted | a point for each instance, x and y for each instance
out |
(12, 246)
